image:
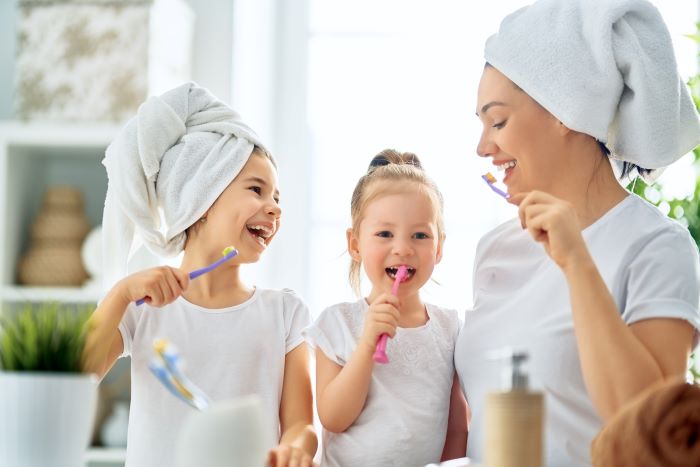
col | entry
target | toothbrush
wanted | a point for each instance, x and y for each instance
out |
(228, 253)
(380, 352)
(490, 180)
(166, 367)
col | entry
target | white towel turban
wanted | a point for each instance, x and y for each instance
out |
(605, 68)
(170, 162)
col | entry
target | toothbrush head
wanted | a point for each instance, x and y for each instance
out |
(228, 250)
(159, 346)
(490, 180)
(402, 273)
(488, 176)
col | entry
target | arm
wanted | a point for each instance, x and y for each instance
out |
(298, 442)
(104, 344)
(457, 425)
(341, 391)
(618, 361)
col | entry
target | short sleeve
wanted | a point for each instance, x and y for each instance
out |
(327, 335)
(663, 279)
(127, 328)
(296, 318)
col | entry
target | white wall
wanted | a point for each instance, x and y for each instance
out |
(7, 57)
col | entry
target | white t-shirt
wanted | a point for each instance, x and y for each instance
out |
(228, 352)
(521, 300)
(404, 420)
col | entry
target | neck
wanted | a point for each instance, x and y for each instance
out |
(591, 186)
(219, 288)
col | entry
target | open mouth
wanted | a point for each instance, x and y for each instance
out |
(391, 272)
(261, 233)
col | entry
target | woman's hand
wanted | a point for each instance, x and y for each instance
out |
(159, 286)
(382, 318)
(554, 223)
(288, 456)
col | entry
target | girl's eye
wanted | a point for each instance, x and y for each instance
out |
(500, 125)
(384, 234)
(256, 189)
(421, 236)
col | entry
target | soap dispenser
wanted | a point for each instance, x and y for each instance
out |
(515, 420)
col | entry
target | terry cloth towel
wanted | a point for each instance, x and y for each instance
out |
(660, 428)
(170, 162)
(605, 68)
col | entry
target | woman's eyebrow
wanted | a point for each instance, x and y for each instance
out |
(489, 105)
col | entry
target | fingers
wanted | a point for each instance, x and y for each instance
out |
(286, 456)
(162, 285)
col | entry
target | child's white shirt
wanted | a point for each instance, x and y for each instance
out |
(404, 420)
(227, 353)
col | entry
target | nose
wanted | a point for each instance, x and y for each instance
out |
(274, 209)
(402, 247)
(486, 147)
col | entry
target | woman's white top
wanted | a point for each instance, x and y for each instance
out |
(521, 300)
(404, 420)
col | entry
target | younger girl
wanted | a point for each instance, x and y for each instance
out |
(188, 159)
(409, 412)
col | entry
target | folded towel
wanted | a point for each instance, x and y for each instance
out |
(170, 162)
(604, 68)
(660, 428)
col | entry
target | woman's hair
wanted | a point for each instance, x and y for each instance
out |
(391, 172)
(628, 168)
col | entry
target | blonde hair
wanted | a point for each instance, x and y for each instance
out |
(393, 167)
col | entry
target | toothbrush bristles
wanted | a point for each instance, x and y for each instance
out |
(489, 177)
(227, 250)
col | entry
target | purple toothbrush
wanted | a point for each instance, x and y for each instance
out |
(229, 252)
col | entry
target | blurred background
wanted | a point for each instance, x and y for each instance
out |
(326, 83)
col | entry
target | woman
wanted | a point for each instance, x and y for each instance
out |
(594, 283)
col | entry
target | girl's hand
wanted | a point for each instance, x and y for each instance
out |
(382, 318)
(554, 223)
(160, 286)
(288, 456)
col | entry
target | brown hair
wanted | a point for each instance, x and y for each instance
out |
(390, 166)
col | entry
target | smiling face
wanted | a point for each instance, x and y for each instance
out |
(247, 214)
(397, 228)
(519, 135)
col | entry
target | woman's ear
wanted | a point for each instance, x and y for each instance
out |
(353, 245)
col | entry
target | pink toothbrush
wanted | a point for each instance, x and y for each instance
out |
(380, 352)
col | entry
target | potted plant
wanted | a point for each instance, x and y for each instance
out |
(46, 404)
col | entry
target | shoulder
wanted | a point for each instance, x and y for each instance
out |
(347, 314)
(284, 297)
(644, 228)
(446, 318)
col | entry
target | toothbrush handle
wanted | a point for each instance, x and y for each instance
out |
(198, 272)
(380, 351)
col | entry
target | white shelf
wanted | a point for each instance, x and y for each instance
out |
(34, 156)
(105, 455)
(57, 134)
(17, 294)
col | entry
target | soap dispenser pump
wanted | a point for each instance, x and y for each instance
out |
(515, 420)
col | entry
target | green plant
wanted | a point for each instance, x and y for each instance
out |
(45, 337)
(685, 210)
